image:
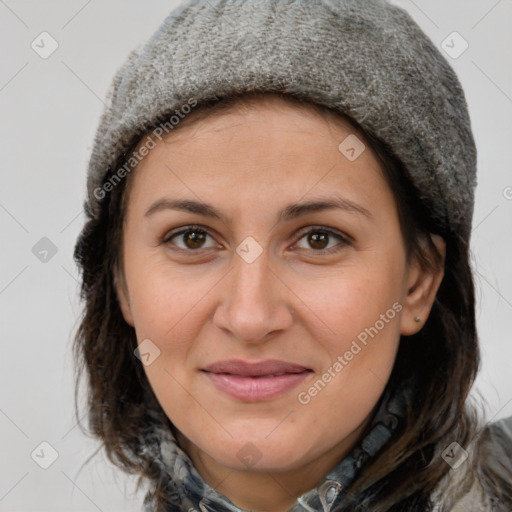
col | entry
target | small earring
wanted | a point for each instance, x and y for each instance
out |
(417, 319)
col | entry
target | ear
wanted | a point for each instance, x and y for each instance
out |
(122, 296)
(422, 285)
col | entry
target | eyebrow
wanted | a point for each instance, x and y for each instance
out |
(289, 212)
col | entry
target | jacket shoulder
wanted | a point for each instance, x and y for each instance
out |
(484, 482)
(494, 452)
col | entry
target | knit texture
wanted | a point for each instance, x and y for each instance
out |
(363, 58)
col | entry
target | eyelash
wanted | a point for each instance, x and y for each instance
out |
(315, 229)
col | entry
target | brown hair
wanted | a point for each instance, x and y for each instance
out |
(443, 356)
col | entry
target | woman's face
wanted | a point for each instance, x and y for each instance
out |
(266, 275)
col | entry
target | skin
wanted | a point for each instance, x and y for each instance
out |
(295, 302)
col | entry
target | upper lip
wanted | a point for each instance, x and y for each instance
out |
(247, 369)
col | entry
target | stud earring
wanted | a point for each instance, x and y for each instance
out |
(417, 319)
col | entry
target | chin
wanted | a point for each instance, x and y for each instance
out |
(260, 446)
(255, 455)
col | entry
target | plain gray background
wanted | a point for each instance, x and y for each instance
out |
(50, 108)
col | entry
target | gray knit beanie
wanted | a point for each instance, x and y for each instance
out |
(363, 58)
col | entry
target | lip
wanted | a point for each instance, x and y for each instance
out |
(252, 382)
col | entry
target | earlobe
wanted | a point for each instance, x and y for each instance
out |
(122, 297)
(422, 286)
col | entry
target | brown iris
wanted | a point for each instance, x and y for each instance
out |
(318, 239)
(194, 239)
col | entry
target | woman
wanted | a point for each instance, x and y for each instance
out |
(279, 307)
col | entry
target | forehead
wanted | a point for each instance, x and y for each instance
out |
(257, 142)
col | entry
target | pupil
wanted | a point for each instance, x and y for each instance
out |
(195, 238)
(318, 240)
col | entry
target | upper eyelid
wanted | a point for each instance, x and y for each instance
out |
(183, 229)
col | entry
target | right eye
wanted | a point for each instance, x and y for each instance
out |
(192, 239)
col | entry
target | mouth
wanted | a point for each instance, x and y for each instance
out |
(252, 382)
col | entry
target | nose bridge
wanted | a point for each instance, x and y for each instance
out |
(251, 280)
(256, 301)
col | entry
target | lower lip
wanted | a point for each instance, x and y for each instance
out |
(255, 389)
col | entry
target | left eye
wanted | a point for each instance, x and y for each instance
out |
(319, 239)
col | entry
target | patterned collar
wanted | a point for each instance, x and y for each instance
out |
(186, 491)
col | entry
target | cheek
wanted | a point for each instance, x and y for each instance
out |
(360, 311)
(164, 301)
(351, 302)
(358, 331)
(168, 309)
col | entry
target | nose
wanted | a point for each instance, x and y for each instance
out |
(255, 302)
